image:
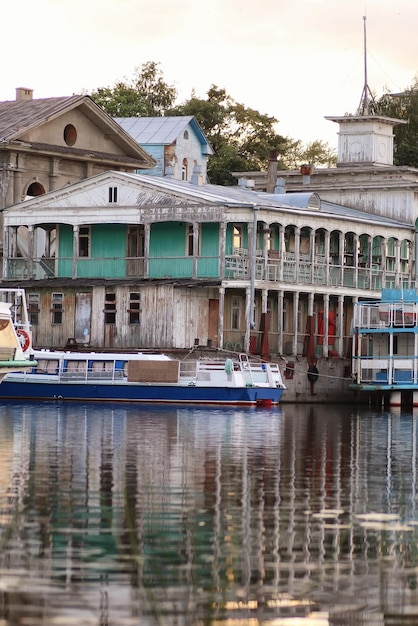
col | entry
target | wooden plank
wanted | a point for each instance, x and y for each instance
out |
(153, 371)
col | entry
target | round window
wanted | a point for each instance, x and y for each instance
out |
(70, 135)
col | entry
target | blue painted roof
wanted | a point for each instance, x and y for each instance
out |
(162, 130)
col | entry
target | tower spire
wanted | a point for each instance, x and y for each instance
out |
(366, 96)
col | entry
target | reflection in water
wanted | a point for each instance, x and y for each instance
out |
(124, 515)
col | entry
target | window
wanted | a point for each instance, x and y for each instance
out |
(184, 170)
(84, 241)
(134, 307)
(70, 135)
(190, 241)
(136, 241)
(237, 238)
(236, 313)
(57, 307)
(110, 308)
(33, 308)
(113, 194)
(186, 134)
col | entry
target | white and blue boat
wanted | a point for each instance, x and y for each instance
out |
(143, 377)
(385, 348)
(15, 340)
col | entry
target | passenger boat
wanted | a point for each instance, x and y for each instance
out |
(143, 377)
(385, 348)
(15, 340)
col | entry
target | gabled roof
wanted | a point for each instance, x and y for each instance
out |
(169, 192)
(162, 130)
(18, 117)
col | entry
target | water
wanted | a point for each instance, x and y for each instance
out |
(114, 515)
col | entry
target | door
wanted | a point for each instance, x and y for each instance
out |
(213, 322)
(82, 322)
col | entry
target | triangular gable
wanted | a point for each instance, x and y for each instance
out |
(91, 200)
(42, 123)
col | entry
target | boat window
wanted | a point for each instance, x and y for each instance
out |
(48, 366)
(76, 366)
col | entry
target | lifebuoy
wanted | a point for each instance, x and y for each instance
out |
(24, 338)
(313, 374)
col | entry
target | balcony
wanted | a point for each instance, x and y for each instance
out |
(276, 268)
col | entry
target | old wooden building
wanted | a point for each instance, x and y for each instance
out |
(123, 260)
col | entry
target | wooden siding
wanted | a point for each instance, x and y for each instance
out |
(170, 317)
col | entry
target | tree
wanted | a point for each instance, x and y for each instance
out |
(242, 138)
(146, 95)
(315, 153)
(402, 106)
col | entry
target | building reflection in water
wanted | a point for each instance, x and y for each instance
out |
(192, 515)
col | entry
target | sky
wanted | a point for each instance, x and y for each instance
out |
(295, 60)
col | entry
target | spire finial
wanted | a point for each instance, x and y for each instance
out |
(363, 108)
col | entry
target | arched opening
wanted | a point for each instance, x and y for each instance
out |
(35, 189)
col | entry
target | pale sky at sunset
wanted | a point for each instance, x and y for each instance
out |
(296, 60)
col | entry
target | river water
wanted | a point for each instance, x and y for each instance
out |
(118, 515)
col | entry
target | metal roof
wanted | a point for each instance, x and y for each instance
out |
(161, 130)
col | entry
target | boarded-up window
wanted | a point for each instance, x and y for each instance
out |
(134, 310)
(110, 308)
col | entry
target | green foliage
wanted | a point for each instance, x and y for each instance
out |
(146, 95)
(316, 153)
(403, 106)
(242, 138)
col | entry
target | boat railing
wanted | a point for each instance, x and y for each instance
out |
(91, 375)
(385, 315)
(388, 371)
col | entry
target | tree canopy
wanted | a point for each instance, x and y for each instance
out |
(402, 106)
(242, 138)
(146, 95)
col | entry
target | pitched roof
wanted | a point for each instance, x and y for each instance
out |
(17, 117)
(162, 130)
(307, 203)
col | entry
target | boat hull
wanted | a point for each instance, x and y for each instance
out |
(138, 393)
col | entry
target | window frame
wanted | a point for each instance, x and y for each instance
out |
(57, 308)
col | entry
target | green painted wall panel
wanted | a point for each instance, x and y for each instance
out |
(168, 249)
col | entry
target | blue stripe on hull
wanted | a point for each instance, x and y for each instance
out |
(138, 393)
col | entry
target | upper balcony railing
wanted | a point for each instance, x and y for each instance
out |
(275, 268)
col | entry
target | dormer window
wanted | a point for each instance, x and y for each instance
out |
(113, 194)
(70, 135)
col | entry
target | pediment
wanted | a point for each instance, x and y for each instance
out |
(73, 125)
(113, 197)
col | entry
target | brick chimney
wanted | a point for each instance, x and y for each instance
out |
(23, 93)
(272, 172)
